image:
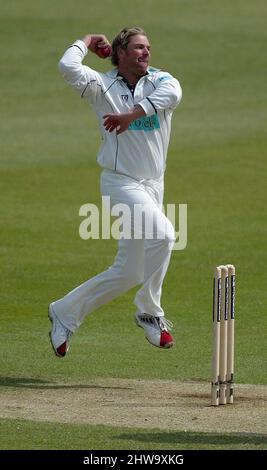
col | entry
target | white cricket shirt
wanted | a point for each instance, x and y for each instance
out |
(140, 151)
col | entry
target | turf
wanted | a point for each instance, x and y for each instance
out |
(37, 436)
(216, 165)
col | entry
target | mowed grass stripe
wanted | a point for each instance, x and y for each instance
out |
(23, 435)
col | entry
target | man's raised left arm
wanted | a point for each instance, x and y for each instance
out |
(167, 95)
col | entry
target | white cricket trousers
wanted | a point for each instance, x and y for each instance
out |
(138, 261)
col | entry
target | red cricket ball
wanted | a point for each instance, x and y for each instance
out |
(104, 51)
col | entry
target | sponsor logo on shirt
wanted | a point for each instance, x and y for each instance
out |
(145, 123)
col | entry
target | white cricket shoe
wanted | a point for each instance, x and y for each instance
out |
(59, 334)
(156, 329)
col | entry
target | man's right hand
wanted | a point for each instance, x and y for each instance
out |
(121, 121)
(95, 42)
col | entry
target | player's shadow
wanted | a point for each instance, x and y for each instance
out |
(180, 437)
(29, 382)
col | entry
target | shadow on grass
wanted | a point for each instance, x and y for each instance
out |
(182, 437)
(28, 382)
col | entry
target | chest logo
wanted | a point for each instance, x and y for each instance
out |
(125, 98)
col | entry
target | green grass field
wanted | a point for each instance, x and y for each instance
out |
(216, 165)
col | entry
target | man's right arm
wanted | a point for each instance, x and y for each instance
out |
(84, 79)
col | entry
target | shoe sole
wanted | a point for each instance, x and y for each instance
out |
(137, 322)
(166, 346)
(50, 334)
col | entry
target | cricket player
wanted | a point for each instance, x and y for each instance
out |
(133, 103)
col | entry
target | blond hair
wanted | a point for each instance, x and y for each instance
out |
(122, 40)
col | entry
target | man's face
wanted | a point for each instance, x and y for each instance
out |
(137, 55)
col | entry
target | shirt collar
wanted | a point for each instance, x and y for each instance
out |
(114, 73)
